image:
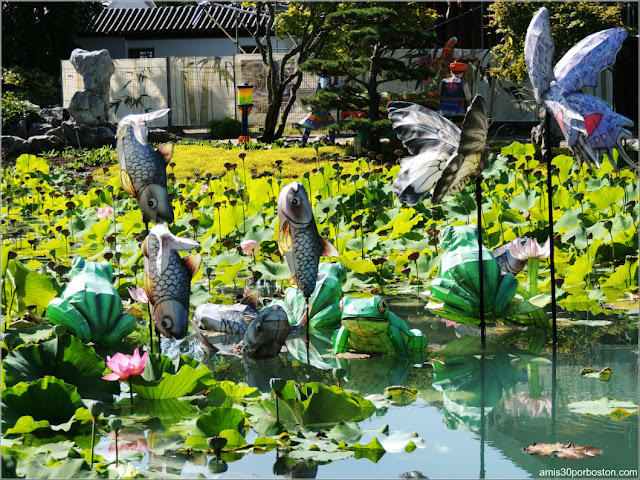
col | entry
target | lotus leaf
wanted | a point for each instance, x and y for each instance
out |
(48, 402)
(164, 378)
(67, 358)
(605, 406)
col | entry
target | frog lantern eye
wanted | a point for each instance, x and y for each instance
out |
(153, 202)
(166, 323)
(341, 304)
(382, 306)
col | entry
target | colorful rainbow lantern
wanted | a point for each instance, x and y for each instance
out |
(245, 95)
(245, 102)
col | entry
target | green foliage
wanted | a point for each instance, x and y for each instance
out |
(225, 128)
(39, 35)
(68, 359)
(31, 84)
(14, 109)
(570, 23)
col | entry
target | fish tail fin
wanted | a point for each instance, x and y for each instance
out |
(328, 250)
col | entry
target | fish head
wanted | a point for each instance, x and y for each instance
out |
(294, 205)
(155, 204)
(270, 325)
(171, 318)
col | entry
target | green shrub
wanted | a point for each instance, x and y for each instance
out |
(14, 110)
(225, 128)
(32, 84)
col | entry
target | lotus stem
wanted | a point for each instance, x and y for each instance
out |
(532, 269)
(93, 437)
(533, 375)
(116, 440)
(130, 392)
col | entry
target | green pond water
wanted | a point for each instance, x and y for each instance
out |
(524, 390)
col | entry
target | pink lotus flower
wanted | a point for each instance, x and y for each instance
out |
(138, 294)
(104, 212)
(250, 247)
(123, 366)
(531, 249)
(203, 189)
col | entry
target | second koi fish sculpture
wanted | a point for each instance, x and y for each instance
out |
(167, 279)
(143, 171)
(298, 238)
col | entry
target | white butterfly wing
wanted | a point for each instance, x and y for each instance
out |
(582, 64)
(419, 174)
(538, 53)
(421, 129)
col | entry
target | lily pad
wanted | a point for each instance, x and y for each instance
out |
(604, 406)
(567, 451)
(603, 374)
(218, 419)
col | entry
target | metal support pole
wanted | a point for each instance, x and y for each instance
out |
(480, 262)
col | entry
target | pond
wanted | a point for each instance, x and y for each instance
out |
(527, 398)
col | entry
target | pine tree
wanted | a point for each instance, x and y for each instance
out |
(364, 36)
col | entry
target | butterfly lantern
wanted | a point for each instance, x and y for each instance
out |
(444, 156)
(592, 129)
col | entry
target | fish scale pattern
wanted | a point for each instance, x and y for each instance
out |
(144, 165)
(307, 246)
(174, 282)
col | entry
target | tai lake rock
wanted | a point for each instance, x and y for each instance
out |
(91, 105)
(44, 143)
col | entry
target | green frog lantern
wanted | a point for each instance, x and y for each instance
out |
(368, 326)
(90, 307)
(455, 291)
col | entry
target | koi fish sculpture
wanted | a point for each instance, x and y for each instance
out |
(298, 238)
(266, 333)
(143, 171)
(591, 128)
(228, 318)
(167, 279)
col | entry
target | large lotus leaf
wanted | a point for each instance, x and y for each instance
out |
(226, 394)
(26, 163)
(47, 401)
(68, 468)
(32, 288)
(167, 410)
(220, 418)
(605, 406)
(66, 358)
(33, 334)
(312, 405)
(272, 271)
(166, 378)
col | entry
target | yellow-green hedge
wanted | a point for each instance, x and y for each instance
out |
(192, 160)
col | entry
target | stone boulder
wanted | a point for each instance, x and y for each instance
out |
(14, 146)
(38, 128)
(44, 143)
(91, 106)
(83, 136)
